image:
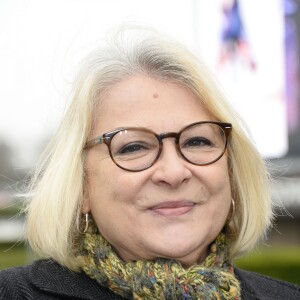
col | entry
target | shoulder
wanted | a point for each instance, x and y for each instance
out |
(257, 286)
(15, 283)
(46, 279)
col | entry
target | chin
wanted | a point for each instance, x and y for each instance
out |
(179, 245)
(186, 253)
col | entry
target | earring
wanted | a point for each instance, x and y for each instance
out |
(86, 221)
(232, 209)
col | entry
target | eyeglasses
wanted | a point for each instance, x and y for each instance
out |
(136, 149)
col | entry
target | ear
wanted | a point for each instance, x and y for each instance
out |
(85, 208)
(85, 201)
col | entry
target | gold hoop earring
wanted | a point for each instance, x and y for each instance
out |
(232, 209)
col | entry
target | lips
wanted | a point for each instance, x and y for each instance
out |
(173, 208)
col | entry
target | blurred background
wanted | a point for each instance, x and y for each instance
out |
(252, 47)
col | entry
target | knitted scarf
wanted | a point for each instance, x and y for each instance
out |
(161, 278)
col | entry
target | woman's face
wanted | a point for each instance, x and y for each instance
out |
(173, 209)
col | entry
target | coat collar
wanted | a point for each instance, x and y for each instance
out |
(256, 286)
(50, 277)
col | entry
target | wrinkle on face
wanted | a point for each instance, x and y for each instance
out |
(119, 200)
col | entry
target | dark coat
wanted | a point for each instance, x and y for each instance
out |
(45, 279)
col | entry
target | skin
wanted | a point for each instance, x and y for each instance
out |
(173, 209)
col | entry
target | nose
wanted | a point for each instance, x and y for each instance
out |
(170, 169)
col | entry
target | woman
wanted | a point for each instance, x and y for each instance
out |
(149, 189)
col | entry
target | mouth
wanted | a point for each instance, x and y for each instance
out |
(173, 208)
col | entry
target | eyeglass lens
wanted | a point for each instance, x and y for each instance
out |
(136, 149)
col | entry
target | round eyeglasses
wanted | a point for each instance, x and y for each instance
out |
(136, 149)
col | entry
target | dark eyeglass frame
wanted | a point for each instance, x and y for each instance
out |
(107, 137)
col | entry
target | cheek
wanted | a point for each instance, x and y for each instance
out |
(222, 191)
(113, 196)
(110, 185)
(97, 179)
(101, 186)
(222, 184)
(216, 191)
(215, 179)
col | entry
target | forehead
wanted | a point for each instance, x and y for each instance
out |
(147, 102)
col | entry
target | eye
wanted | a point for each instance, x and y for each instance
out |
(133, 148)
(197, 141)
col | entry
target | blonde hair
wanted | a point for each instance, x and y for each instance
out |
(57, 187)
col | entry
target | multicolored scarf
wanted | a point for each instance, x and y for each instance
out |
(161, 278)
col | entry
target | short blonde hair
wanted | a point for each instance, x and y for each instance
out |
(57, 187)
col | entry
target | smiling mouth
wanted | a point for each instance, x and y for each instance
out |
(175, 208)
